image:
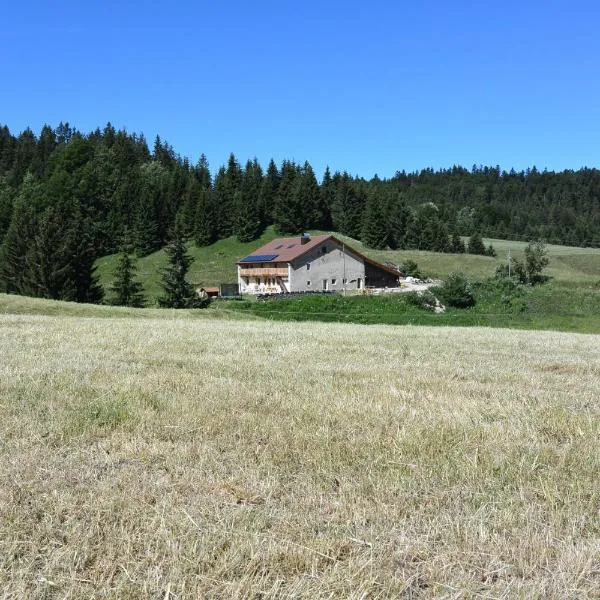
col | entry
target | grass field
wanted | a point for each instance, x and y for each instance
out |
(216, 264)
(553, 306)
(173, 458)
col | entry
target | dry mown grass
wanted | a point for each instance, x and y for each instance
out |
(186, 459)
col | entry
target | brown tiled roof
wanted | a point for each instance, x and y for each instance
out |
(288, 249)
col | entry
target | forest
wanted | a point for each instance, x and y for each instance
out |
(68, 198)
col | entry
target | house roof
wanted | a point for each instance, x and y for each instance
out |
(289, 249)
(284, 249)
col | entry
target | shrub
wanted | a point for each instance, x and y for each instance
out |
(410, 269)
(456, 291)
(425, 300)
(530, 271)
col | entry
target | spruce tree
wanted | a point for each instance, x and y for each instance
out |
(178, 292)
(16, 247)
(288, 209)
(206, 222)
(248, 222)
(375, 229)
(126, 289)
(83, 250)
(327, 192)
(268, 194)
(475, 245)
(457, 246)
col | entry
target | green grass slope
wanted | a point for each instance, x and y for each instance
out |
(216, 264)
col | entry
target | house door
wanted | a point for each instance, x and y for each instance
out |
(325, 285)
(359, 283)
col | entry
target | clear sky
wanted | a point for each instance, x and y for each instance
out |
(366, 86)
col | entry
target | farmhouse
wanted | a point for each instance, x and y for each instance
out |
(310, 263)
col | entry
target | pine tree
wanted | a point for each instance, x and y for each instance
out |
(83, 252)
(16, 248)
(399, 217)
(7, 194)
(475, 245)
(126, 289)
(327, 192)
(248, 221)
(268, 194)
(202, 172)
(288, 211)
(206, 222)
(49, 267)
(375, 230)
(178, 292)
(457, 246)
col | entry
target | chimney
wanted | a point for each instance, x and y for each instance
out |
(305, 238)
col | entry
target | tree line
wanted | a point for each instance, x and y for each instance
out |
(67, 198)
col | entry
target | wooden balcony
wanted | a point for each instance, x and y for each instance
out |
(264, 272)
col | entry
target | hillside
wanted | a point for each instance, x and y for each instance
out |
(179, 458)
(216, 263)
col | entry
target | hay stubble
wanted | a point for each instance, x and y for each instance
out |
(165, 458)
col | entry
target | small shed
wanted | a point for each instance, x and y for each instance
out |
(208, 292)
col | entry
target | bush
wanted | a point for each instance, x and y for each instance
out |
(456, 291)
(410, 269)
(425, 300)
(530, 271)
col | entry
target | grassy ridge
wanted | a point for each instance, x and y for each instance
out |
(216, 264)
(186, 459)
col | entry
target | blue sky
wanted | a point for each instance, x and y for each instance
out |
(367, 87)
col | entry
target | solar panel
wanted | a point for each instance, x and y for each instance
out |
(259, 258)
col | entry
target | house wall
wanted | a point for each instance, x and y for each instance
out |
(331, 265)
(263, 282)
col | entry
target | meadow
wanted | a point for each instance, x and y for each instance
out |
(216, 264)
(165, 455)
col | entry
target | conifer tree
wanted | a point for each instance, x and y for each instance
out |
(126, 289)
(83, 251)
(399, 217)
(327, 192)
(457, 246)
(475, 245)
(288, 212)
(49, 266)
(268, 194)
(202, 172)
(178, 292)
(7, 194)
(248, 221)
(16, 248)
(315, 213)
(206, 223)
(375, 229)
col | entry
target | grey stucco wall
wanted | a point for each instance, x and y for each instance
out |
(327, 266)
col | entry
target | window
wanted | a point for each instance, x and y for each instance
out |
(324, 250)
(308, 266)
(333, 281)
(344, 281)
(308, 284)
